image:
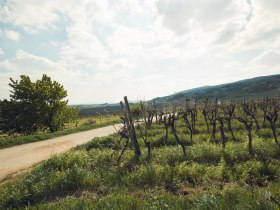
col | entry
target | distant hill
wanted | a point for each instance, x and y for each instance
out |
(96, 109)
(257, 87)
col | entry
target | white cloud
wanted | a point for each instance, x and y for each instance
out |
(1, 52)
(26, 63)
(262, 30)
(146, 48)
(74, 81)
(208, 16)
(9, 34)
(31, 15)
(268, 62)
(34, 66)
(34, 16)
(12, 35)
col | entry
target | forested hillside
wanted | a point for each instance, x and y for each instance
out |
(259, 87)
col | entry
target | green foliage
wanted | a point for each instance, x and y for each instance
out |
(14, 117)
(35, 105)
(135, 110)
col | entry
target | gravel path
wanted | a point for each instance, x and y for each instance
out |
(18, 158)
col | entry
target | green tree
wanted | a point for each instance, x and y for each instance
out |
(35, 105)
(136, 111)
(15, 118)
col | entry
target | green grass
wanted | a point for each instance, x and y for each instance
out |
(87, 177)
(84, 124)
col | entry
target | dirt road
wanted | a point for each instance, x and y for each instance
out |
(20, 157)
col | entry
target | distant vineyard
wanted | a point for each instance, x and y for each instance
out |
(103, 110)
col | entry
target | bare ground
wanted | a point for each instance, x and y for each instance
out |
(19, 158)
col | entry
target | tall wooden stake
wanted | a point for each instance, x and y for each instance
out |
(132, 129)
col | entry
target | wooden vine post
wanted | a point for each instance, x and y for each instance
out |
(132, 133)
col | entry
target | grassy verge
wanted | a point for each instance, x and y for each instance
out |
(87, 177)
(9, 141)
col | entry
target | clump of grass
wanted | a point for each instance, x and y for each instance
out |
(168, 155)
(256, 172)
(101, 142)
(237, 198)
(265, 133)
(205, 153)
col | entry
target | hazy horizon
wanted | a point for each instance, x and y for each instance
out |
(137, 100)
(103, 50)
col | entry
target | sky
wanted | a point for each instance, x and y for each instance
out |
(102, 50)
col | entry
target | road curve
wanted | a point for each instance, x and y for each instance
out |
(21, 157)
